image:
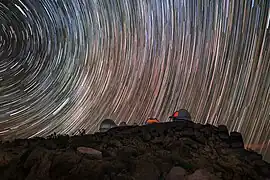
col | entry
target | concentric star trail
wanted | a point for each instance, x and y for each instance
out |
(67, 65)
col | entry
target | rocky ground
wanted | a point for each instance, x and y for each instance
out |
(171, 151)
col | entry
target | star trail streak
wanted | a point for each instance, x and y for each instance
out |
(67, 65)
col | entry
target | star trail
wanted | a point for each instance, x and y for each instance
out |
(67, 65)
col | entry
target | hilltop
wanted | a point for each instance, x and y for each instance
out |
(181, 150)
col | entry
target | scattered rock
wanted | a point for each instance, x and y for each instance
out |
(265, 171)
(254, 156)
(146, 136)
(237, 145)
(146, 170)
(224, 145)
(236, 137)
(123, 124)
(223, 129)
(187, 132)
(90, 151)
(259, 163)
(202, 174)
(176, 173)
(224, 136)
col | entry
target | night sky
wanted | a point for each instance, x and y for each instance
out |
(68, 64)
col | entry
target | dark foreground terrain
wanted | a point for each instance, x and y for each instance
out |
(171, 151)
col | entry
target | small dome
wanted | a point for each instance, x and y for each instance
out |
(106, 124)
(182, 114)
(151, 121)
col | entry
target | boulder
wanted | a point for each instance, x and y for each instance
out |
(176, 173)
(202, 174)
(236, 137)
(223, 129)
(90, 151)
(145, 170)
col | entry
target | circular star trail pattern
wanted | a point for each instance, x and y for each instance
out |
(67, 65)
